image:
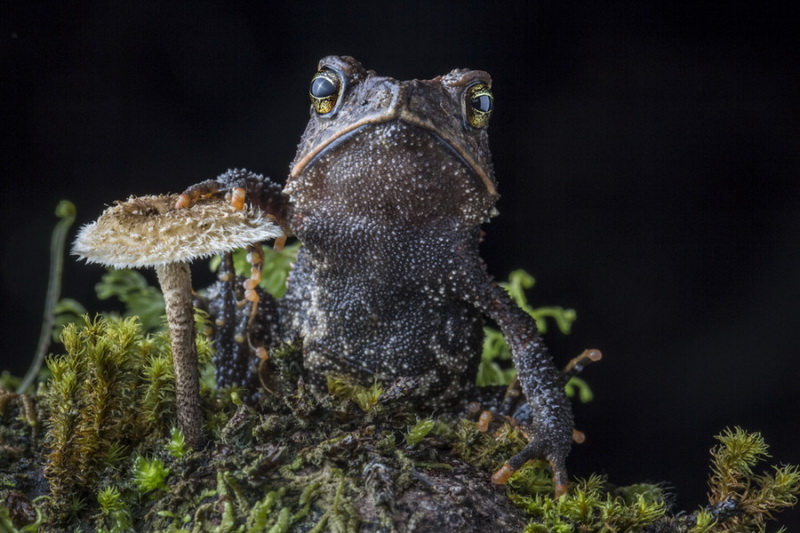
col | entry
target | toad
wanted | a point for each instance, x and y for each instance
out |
(387, 193)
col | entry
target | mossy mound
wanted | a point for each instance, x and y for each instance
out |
(94, 451)
(94, 455)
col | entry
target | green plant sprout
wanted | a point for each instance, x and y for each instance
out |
(419, 431)
(177, 447)
(365, 397)
(149, 474)
(495, 368)
(139, 297)
(65, 210)
(115, 510)
(518, 283)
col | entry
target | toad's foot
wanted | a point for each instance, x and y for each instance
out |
(553, 449)
(538, 449)
(240, 186)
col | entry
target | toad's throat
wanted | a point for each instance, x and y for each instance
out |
(336, 140)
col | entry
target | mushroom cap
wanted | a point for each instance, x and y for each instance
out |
(147, 231)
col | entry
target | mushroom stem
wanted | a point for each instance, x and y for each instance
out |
(176, 284)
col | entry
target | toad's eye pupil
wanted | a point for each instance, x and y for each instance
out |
(482, 103)
(477, 105)
(324, 91)
(322, 87)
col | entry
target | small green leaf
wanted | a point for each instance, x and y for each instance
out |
(139, 297)
(419, 431)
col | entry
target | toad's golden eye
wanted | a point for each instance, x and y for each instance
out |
(324, 91)
(478, 103)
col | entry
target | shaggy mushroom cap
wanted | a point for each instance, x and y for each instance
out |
(147, 231)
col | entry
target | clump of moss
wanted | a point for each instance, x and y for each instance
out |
(365, 397)
(487, 450)
(590, 505)
(112, 392)
(752, 499)
(114, 510)
(348, 461)
(740, 501)
(149, 474)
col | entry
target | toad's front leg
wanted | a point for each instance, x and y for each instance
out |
(243, 187)
(238, 331)
(551, 424)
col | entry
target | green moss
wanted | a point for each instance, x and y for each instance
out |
(114, 512)
(590, 505)
(298, 462)
(177, 446)
(111, 393)
(487, 451)
(733, 481)
(365, 397)
(704, 522)
(149, 474)
(740, 500)
(419, 431)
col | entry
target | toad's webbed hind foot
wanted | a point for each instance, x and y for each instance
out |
(537, 449)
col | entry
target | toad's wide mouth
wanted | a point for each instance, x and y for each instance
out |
(411, 120)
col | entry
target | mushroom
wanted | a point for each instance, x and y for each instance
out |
(148, 231)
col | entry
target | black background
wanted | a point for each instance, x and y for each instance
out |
(647, 156)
